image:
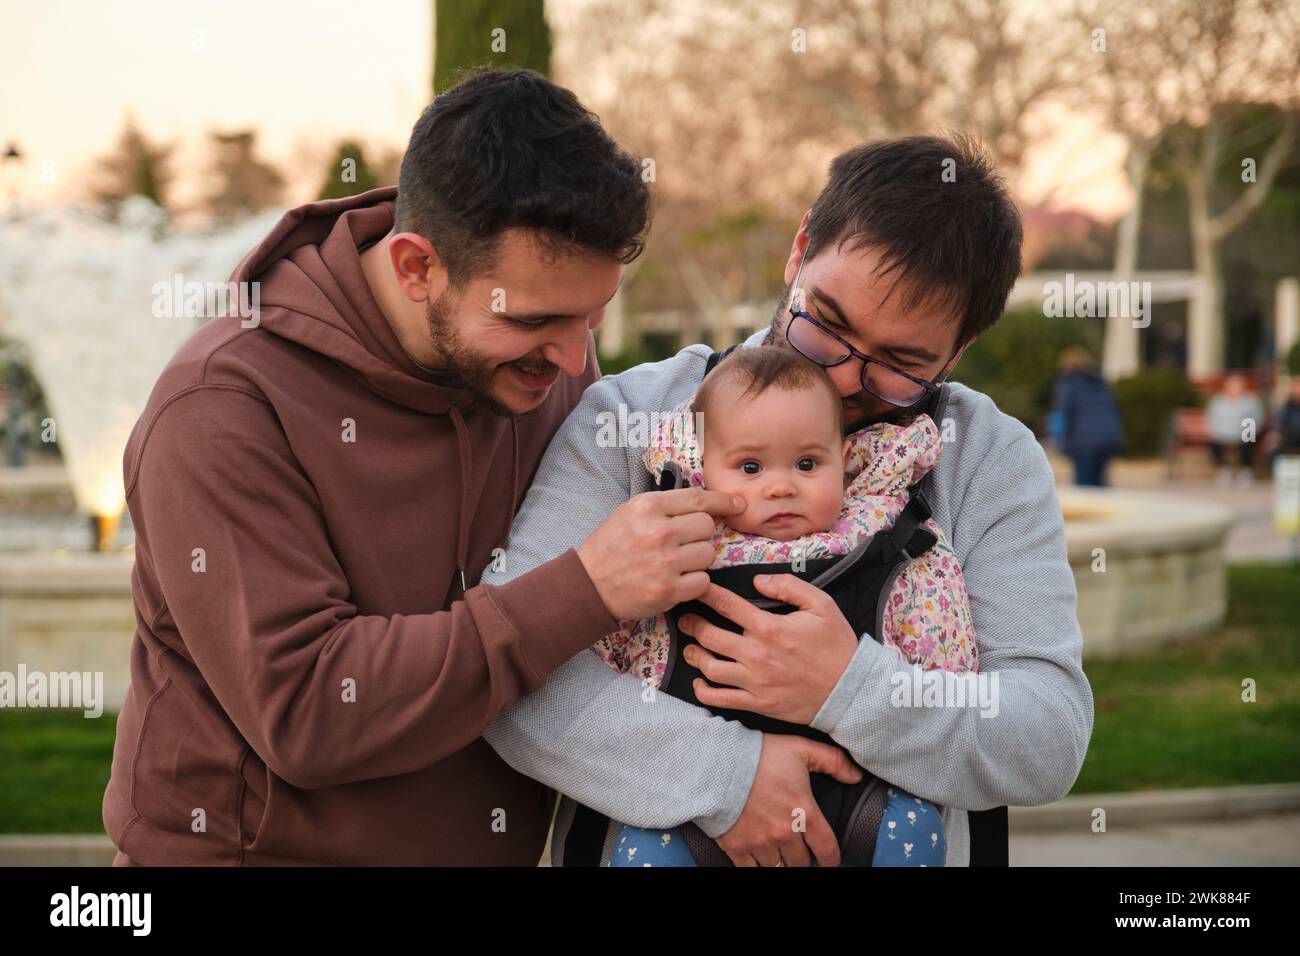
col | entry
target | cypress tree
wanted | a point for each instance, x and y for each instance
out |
(469, 33)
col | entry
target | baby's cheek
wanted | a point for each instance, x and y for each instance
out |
(738, 523)
(719, 481)
(829, 503)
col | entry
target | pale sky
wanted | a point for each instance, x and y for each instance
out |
(304, 73)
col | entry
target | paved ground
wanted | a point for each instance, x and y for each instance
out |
(1255, 841)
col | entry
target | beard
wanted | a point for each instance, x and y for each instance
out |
(860, 410)
(475, 370)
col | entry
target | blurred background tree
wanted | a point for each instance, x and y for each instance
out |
(348, 173)
(136, 167)
(800, 80)
(1251, 263)
(243, 183)
(469, 33)
(1176, 79)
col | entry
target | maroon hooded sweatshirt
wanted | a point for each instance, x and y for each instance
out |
(309, 681)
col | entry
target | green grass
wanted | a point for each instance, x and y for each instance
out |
(1173, 719)
(53, 770)
(1176, 718)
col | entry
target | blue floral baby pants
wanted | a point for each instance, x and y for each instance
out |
(911, 834)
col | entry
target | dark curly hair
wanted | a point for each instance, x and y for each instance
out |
(509, 149)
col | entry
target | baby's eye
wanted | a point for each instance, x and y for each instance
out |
(806, 464)
(750, 467)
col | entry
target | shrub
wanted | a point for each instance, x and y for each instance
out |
(1146, 403)
(651, 349)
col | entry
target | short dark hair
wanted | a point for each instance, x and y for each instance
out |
(509, 149)
(940, 214)
(760, 367)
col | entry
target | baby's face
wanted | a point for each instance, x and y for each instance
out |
(780, 450)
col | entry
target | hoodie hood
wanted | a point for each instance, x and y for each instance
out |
(314, 292)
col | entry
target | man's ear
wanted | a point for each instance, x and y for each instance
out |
(417, 267)
(796, 248)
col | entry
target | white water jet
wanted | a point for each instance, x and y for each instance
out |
(78, 292)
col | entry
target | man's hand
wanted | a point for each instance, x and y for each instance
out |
(652, 552)
(765, 833)
(783, 665)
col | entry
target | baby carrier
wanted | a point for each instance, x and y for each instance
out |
(859, 582)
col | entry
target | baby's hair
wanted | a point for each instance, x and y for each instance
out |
(760, 367)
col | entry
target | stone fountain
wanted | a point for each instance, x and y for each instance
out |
(1148, 568)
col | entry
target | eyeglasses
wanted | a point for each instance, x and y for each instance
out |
(819, 344)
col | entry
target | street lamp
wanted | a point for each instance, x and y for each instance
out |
(13, 161)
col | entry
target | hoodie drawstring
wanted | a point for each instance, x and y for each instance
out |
(467, 482)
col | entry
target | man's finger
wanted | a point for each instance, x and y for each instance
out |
(682, 501)
(733, 607)
(820, 838)
(768, 855)
(690, 586)
(794, 850)
(823, 758)
(727, 673)
(695, 556)
(691, 527)
(791, 589)
(714, 638)
(728, 698)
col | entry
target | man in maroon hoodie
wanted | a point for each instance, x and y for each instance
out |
(312, 490)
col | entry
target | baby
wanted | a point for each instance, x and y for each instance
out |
(771, 431)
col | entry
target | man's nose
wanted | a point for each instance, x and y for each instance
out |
(847, 378)
(569, 350)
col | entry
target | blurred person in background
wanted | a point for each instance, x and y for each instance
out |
(1284, 439)
(1233, 413)
(1085, 421)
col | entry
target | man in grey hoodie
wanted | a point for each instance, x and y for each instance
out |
(907, 256)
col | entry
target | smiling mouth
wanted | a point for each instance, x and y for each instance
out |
(534, 381)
